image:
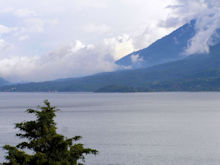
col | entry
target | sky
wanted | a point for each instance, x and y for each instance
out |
(51, 39)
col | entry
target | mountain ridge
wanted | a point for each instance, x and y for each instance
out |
(194, 73)
(3, 82)
(169, 48)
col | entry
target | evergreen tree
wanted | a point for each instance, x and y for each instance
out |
(48, 147)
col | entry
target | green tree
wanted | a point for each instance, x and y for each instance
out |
(46, 145)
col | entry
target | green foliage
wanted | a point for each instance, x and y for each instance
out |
(48, 147)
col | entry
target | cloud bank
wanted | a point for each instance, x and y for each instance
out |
(73, 60)
(207, 16)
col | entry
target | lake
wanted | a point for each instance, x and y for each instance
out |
(176, 128)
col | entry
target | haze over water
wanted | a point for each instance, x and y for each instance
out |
(129, 128)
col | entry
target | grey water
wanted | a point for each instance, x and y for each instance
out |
(130, 128)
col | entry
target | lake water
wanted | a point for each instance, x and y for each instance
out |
(128, 129)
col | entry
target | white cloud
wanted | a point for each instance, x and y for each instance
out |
(34, 25)
(185, 10)
(18, 12)
(77, 46)
(3, 45)
(206, 27)
(207, 15)
(4, 29)
(148, 35)
(95, 28)
(24, 22)
(24, 13)
(69, 61)
(23, 38)
(120, 46)
(20, 65)
(135, 58)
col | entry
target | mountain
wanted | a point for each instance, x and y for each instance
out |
(163, 68)
(167, 49)
(193, 73)
(3, 82)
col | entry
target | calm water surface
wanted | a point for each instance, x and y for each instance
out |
(128, 129)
